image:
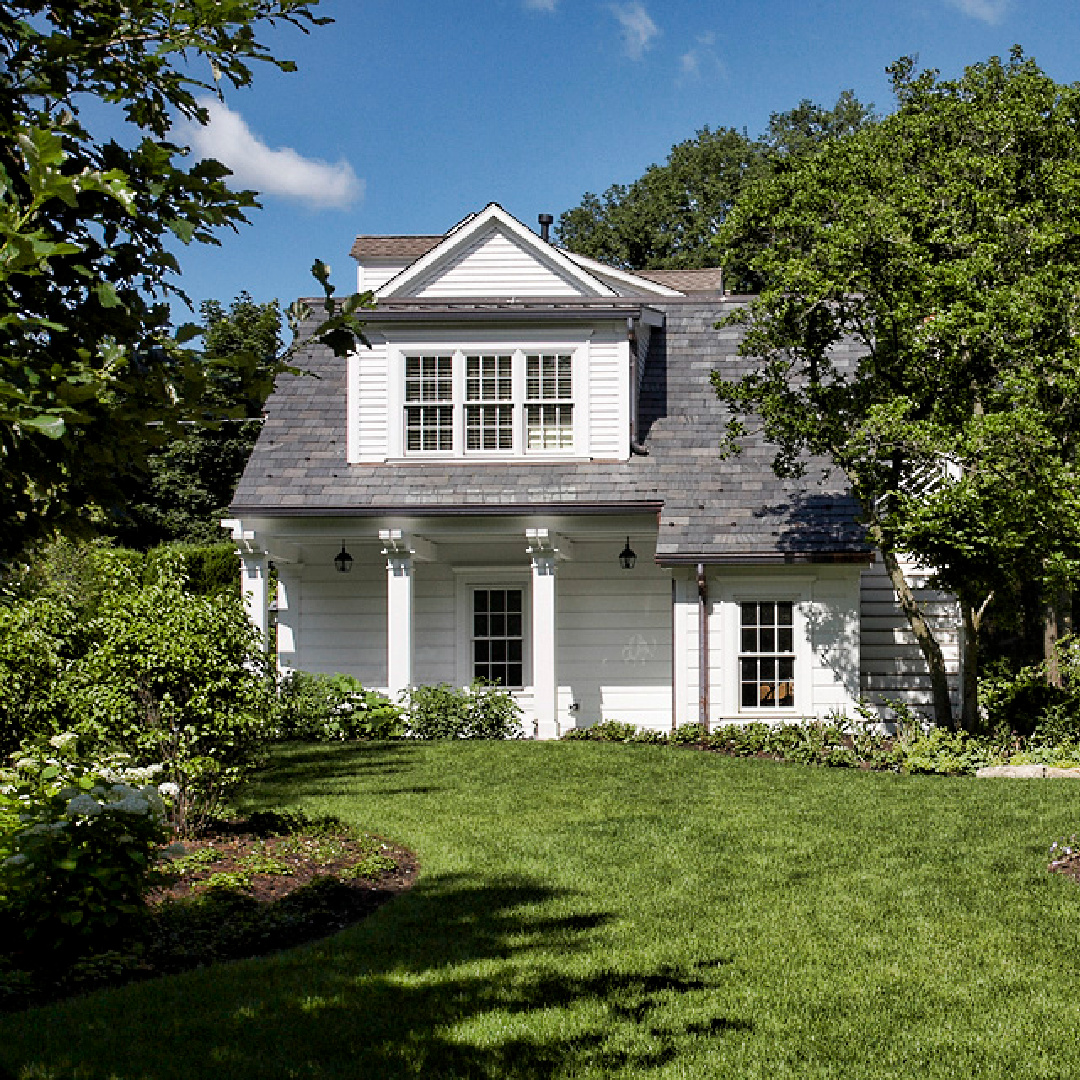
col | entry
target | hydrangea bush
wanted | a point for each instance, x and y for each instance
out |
(79, 841)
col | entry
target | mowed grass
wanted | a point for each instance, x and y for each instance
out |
(592, 910)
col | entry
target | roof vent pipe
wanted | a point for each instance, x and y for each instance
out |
(546, 221)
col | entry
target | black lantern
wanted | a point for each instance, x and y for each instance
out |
(343, 560)
(627, 557)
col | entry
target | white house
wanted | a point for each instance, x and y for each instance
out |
(523, 473)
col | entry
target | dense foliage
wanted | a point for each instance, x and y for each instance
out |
(189, 481)
(115, 646)
(479, 711)
(86, 230)
(940, 242)
(333, 707)
(668, 218)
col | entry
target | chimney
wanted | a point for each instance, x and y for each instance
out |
(545, 226)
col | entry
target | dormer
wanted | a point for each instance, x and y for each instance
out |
(492, 344)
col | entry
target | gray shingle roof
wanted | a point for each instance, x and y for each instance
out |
(408, 247)
(687, 281)
(712, 509)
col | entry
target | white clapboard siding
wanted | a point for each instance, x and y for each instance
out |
(497, 265)
(369, 406)
(614, 639)
(826, 646)
(342, 618)
(892, 667)
(435, 625)
(373, 276)
(608, 396)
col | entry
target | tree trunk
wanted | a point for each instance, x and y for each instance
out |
(969, 665)
(1057, 623)
(924, 635)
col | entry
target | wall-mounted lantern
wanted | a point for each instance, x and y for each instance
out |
(343, 560)
(627, 557)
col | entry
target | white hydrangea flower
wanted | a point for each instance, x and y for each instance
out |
(132, 804)
(63, 739)
(170, 789)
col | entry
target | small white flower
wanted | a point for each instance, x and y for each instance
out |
(62, 740)
(170, 789)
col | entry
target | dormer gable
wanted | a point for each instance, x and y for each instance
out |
(492, 255)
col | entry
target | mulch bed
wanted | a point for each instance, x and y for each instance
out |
(191, 921)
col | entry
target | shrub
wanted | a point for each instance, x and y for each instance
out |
(80, 853)
(1023, 703)
(176, 679)
(479, 711)
(330, 707)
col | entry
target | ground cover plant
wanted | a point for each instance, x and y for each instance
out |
(246, 886)
(606, 910)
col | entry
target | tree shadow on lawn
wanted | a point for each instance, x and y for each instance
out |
(451, 980)
(318, 769)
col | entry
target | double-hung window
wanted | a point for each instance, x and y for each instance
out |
(767, 655)
(429, 409)
(549, 407)
(489, 403)
(497, 402)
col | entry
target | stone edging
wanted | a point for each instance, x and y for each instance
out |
(1028, 772)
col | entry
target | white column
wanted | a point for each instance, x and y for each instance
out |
(253, 578)
(399, 622)
(545, 682)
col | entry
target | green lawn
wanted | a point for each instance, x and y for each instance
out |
(591, 910)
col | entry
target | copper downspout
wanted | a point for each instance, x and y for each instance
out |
(703, 648)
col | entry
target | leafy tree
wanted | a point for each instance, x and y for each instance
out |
(669, 217)
(941, 246)
(86, 354)
(188, 483)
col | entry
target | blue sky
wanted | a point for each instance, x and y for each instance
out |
(406, 115)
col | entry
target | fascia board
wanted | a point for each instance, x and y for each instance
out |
(465, 230)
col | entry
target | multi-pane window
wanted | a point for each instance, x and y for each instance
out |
(489, 409)
(497, 636)
(549, 410)
(767, 655)
(497, 402)
(429, 409)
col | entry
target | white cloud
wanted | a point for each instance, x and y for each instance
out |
(637, 28)
(701, 60)
(541, 5)
(283, 172)
(990, 11)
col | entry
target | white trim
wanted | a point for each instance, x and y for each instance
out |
(726, 698)
(459, 237)
(577, 345)
(468, 578)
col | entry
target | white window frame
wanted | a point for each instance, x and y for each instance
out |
(731, 594)
(500, 577)
(517, 348)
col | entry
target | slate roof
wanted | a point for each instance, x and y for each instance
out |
(711, 510)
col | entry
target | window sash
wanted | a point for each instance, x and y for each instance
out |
(498, 640)
(767, 655)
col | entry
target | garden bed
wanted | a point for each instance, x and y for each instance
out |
(244, 888)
